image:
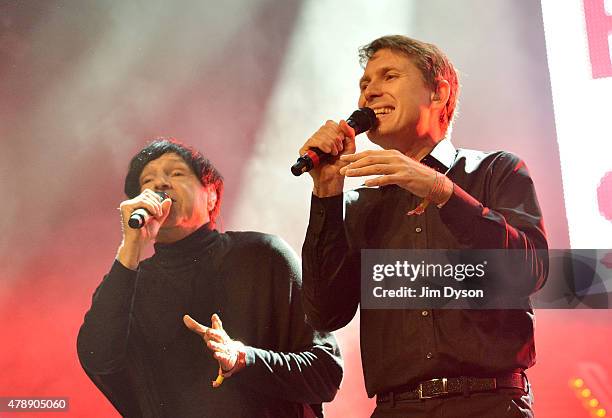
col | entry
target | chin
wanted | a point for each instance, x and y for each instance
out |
(380, 139)
(374, 136)
(170, 222)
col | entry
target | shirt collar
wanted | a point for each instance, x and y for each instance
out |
(444, 153)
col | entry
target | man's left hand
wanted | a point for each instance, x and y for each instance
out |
(392, 167)
(225, 350)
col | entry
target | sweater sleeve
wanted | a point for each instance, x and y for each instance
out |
(102, 340)
(103, 337)
(307, 367)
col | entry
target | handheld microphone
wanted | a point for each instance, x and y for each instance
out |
(141, 216)
(361, 120)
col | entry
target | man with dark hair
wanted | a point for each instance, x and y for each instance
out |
(140, 343)
(201, 166)
(427, 195)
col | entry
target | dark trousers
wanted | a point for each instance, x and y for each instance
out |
(503, 403)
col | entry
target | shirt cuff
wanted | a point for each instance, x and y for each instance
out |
(326, 212)
(461, 213)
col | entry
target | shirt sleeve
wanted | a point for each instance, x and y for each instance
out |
(307, 367)
(511, 219)
(330, 268)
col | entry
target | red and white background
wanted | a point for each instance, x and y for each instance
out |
(84, 84)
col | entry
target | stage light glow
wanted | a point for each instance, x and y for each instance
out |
(590, 403)
(577, 383)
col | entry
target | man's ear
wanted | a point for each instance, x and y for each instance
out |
(441, 95)
(212, 198)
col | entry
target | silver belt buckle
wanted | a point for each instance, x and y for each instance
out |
(444, 389)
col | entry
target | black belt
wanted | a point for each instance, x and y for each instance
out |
(455, 386)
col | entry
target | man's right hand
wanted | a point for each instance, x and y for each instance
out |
(134, 240)
(334, 139)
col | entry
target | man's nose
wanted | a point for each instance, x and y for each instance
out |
(371, 91)
(161, 183)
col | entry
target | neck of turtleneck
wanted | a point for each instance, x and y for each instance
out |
(190, 246)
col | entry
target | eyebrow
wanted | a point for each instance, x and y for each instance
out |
(382, 70)
(143, 175)
(182, 166)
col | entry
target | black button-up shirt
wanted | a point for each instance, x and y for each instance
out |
(493, 205)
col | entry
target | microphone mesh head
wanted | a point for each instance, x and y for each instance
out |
(162, 195)
(362, 120)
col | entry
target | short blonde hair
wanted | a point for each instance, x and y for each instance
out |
(428, 58)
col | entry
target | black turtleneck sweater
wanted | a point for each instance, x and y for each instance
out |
(134, 346)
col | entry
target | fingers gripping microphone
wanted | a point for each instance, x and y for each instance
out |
(141, 216)
(361, 120)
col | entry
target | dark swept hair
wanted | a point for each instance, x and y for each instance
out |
(201, 167)
(428, 58)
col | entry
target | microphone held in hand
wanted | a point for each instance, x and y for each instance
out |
(361, 120)
(141, 216)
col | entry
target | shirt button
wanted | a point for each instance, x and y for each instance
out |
(425, 313)
(417, 229)
(429, 355)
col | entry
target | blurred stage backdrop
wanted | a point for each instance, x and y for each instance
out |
(84, 84)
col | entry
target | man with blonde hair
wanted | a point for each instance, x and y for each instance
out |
(426, 195)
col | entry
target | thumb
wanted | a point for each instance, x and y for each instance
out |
(194, 325)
